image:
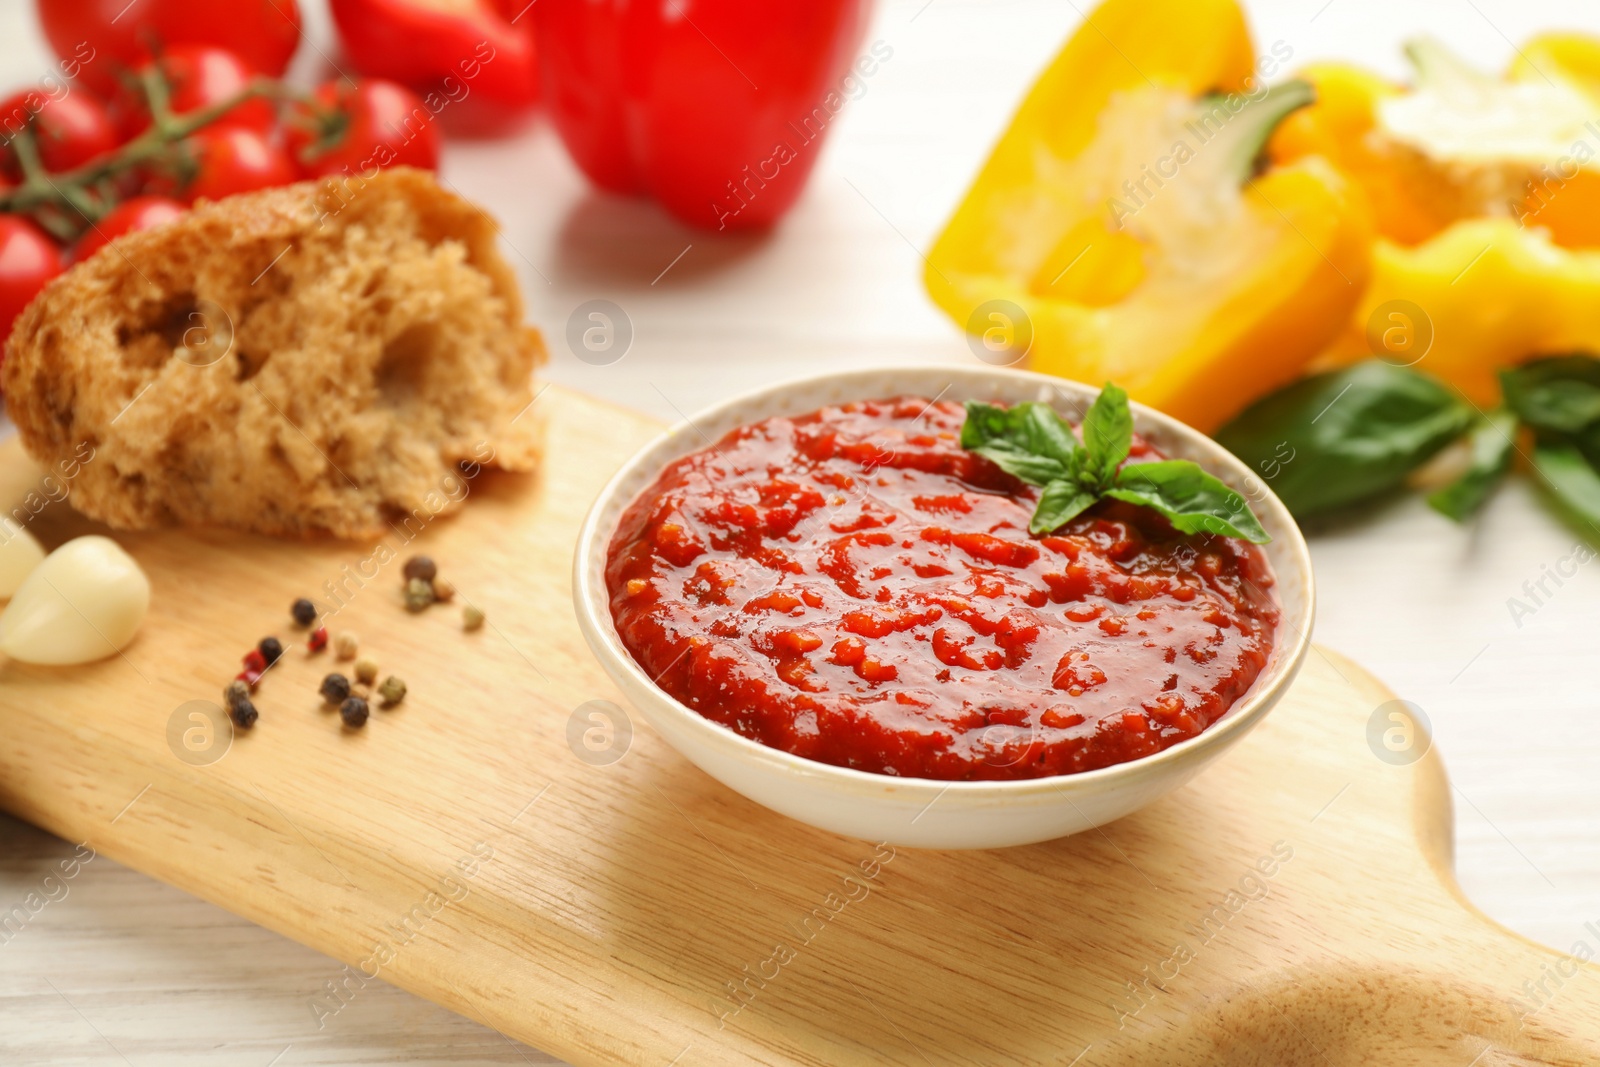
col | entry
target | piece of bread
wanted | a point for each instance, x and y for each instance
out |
(329, 357)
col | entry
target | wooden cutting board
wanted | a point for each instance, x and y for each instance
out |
(1294, 905)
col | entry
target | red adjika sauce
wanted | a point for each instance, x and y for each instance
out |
(854, 587)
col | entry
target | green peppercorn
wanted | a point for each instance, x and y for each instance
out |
(270, 648)
(393, 690)
(419, 594)
(237, 692)
(354, 712)
(243, 713)
(420, 567)
(304, 612)
(335, 687)
(471, 617)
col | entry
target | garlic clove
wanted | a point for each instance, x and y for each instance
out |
(83, 603)
(19, 554)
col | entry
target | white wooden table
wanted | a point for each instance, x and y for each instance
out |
(124, 970)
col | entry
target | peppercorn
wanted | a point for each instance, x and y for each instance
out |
(304, 612)
(366, 671)
(393, 690)
(346, 645)
(443, 590)
(419, 594)
(238, 690)
(318, 639)
(420, 567)
(251, 678)
(271, 648)
(255, 660)
(335, 687)
(243, 713)
(471, 617)
(354, 712)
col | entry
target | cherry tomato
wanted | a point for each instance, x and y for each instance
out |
(235, 161)
(69, 129)
(28, 259)
(130, 216)
(383, 125)
(198, 76)
(94, 41)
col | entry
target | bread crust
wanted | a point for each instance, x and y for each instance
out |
(320, 358)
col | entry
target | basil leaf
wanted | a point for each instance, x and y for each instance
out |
(1028, 441)
(1035, 470)
(1560, 394)
(1570, 478)
(1349, 434)
(1493, 441)
(1032, 428)
(1107, 434)
(1033, 443)
(1047, 433)
(1060, 502)
(1192, 500)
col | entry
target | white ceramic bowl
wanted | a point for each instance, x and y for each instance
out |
(916, 812)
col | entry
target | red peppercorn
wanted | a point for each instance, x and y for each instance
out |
(255, 661)
(318, 640)
(250, 678)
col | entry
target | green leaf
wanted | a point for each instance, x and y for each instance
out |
(1107, 434)
(1570, 477)
(1033, 443)
(1060, 502)
(1027, 441)
(1334, 439)
(1032, 428)
(1493, 441)
(1192, 500)
(1035, 470)
(1560, 394)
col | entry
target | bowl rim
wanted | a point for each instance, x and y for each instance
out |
(600, 632)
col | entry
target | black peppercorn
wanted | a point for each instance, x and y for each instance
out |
(304, 612)
(335, 687)
(353, 711)
(243, 713)
(420, 567)
(270, 648)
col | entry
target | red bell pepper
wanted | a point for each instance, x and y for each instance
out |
(458, 50)
(716, 108)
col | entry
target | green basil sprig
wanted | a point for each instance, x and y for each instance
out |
(1559, 398)
(1034, 444)
(1556, 395)
(1349, 435)
(1492, 440)
(1335, 439)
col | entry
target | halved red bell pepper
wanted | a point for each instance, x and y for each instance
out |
(469, 52)
(716, 108)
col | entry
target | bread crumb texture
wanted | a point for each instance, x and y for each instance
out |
(321, 358)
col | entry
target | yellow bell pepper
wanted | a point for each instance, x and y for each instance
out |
(1486, 197)
(1119, 232)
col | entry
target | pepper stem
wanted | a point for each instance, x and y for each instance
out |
(1443, 71)
(1242, 131)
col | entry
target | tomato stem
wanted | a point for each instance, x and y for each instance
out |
(88, 192)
